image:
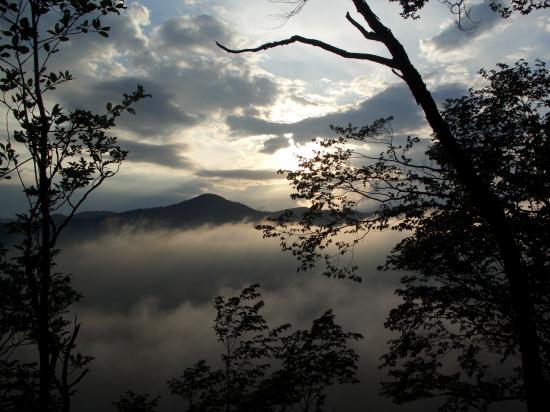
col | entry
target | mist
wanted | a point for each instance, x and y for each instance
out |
(147, 310)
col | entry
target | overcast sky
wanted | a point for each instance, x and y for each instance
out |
(224, 123)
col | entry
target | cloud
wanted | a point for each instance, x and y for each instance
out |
(451, 38)
(208, 85)
(202, 77)
(168, 155)
(238, 174)
(186, 32)
(273, 144)
(147, 310)
(157, 116)
(396, 101)
(177, 62)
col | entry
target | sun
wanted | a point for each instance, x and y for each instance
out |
(287, 158)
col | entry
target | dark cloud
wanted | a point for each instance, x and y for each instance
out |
(208, 85)
(275, 143)
(187, 87)
(303, 100)
(482, 18)
(157, 116)
(395, 101)
(203, 77)
(168, 155)
(185, 32)
(244, 174)
(449, 91)
(252, 126)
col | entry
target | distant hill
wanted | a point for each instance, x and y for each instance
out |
(201, 210)
(206, 209)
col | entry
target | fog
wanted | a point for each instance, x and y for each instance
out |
(147, 310)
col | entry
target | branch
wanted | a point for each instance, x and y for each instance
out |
(75, 207)
(369, 35)
(316, 43)
(2, 174)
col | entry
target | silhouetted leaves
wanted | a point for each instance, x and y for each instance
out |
(461, 8)
(60, 157)
(134, 402)
(309, 362)
(456, 298)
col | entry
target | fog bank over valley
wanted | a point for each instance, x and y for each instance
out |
(147, 310)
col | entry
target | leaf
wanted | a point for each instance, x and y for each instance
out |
(19, 137)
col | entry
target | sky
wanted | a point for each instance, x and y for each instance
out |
(220, 123)
(224, 124)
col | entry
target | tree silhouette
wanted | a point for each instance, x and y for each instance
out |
(460, 8)
(59, 156)
(487, 203)
(134, 402)
(456, 296)
(310, 361)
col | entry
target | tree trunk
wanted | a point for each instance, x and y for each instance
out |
(490, 209)
(44, 250)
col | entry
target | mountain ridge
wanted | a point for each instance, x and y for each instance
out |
(203, 210)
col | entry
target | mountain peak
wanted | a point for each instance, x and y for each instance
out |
(206, 208)
(209, 197)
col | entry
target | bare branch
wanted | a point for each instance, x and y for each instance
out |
(298, 6)
(369, 35)
(316, 43)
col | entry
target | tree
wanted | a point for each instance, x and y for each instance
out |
(455, 297)
(456, 300)
(411, 8)
(486, 202)
(311, 360)
(134, 402)
(60, 156)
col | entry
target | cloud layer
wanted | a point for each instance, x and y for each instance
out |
(147, 311)
(395, 101)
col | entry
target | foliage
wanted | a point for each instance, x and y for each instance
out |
(456, 299)
(488, 205)
(134, 402)
(456, 295)
(59, 156)
(310, 361)
(411, 8)
(460, 8)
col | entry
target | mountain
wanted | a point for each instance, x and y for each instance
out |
(206, 209)
(201, 210)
